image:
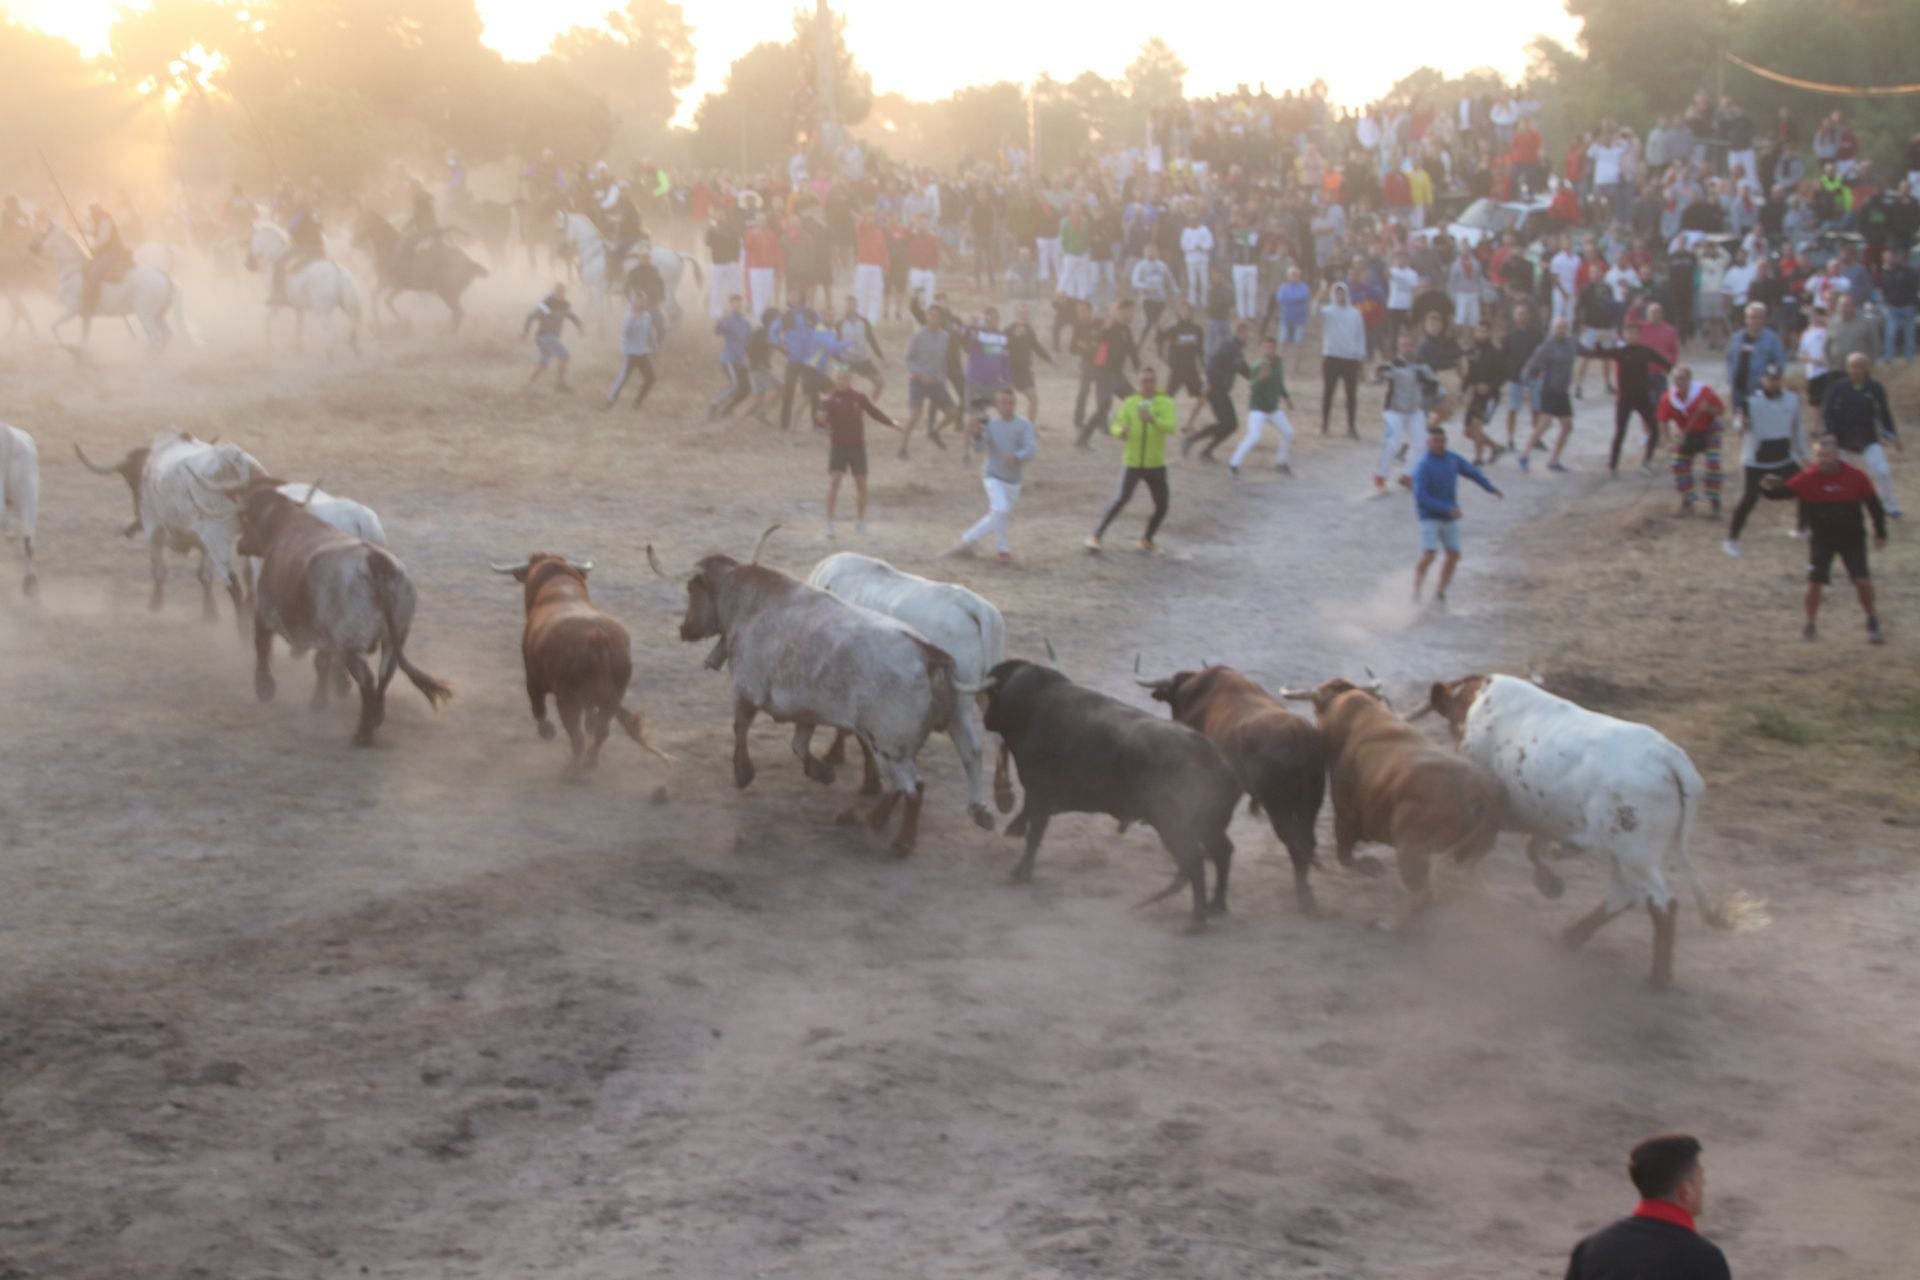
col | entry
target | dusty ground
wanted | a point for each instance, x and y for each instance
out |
(277, 1008)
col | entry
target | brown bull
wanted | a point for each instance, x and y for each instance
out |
(1278, 758)
(576, 653)
(1393, 785)
(333, 593)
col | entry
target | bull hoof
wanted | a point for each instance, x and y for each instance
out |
(742, 776)
(660, 795)
(1003, 801)
(846, 818)
(871, 787)
(900, 848)
(981, 818)
(153, 603)
(1016, 828)
(547, 731)
(318, 702)
(1196, 925)
(363, 737)
(1659, 982)
(836, 754)
(820, 773)
(1548, 883)
(1217, 909)
(30, 588)
(1309, 905)
(263, 686)
(1370, 867)
(1021, 875)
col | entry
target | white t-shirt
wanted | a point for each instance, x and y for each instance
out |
(1606, 162)
(1401, 282)
(1566, 269)
(1813, 350)
(1623, 280)
(1736, 283)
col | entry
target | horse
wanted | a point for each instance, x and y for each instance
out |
(319, 287)
(602, 276)
(145, 293)
(436, 268)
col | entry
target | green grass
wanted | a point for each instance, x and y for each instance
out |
(1777, 725)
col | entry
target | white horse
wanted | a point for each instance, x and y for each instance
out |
(604, 277)
(148, 295)
(318, 288)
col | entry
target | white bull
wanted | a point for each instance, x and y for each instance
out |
(809, 659)
(1590, 782)
(20, 493)
(184, 501)
(962, 623)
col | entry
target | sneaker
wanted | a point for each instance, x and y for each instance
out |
(1579, 393)
(831, 535)
(1093, 542)
(1147, 547)
(1809, 632)
(1731, 547)
(959, 551)
(1646, 469)
(1526, 464)
(1558, 466)
(1440, 602)
(1283, 468)
(1874, 634)
(1798, 535)
(1713, 507)
(1894, 513)
(1232, 470)
(1004, 557)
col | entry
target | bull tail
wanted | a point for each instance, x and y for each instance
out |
(1735, 913)
(608, 692)
(1181, 880)
(394, 595)
(1484, 815)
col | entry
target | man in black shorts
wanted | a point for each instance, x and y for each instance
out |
(844, 412)
(1480, 387)
(1183, 345)
(1227, 365)
(1023, 344)
(1831, 494)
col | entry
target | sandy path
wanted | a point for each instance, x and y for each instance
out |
(278, 1008)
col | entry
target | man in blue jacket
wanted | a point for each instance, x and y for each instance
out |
(1436, 498)
(1749, 351)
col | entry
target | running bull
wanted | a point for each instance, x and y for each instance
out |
(1279, 758)
(1078, 751)
(809, 659)
(576, 653)
(1587, 781)
(1394, 786)
(328, 591)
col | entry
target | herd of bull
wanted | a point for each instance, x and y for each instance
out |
(889, 658)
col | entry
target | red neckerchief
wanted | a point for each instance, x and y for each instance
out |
(1665, 1211)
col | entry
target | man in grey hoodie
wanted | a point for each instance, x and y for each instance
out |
(1551, 367)
(1010, 442)
(636, 348)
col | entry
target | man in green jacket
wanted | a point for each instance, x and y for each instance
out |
(1145, 422)
(1269, 390)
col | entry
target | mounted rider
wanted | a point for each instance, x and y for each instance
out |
(108, 258)
(454, 187)
(422, 230)
(305, 244)
(643, 278)
(616, 214)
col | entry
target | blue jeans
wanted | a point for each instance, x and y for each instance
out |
(1900, 324)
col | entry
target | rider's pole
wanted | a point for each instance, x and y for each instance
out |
(78, 226)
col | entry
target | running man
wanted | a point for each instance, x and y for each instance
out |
(1023, 344)
(735, 332)
(1436, 499)
(1147, 419)
(1694, 412)
(1405, 415)
(1480, 388)
(1227, 365)
(1633, 392)
(548, 321)
(844, 412)
(1774, 446)
(927, 378)
(1183, 346)
(637, 345)
(1833, 494)
(1267, 391)
(1009, 442)
(1551, 367)
(862, 354)
(1856, 415)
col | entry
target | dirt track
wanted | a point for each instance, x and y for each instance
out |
(276, 1007)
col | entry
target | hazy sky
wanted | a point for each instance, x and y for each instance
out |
(927, 52)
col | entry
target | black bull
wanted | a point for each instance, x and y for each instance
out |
(1078, 751)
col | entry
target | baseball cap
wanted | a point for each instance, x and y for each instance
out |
(1772, 370)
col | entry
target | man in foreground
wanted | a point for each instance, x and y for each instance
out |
(1010, 443)
(1659, 1241)
(1832, 494)
(1145, 422)
(844, 412)
(1436, 498)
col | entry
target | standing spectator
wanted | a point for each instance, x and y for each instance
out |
(1145, 422)
(1402, 283)
(1292, 302)
(1812, 350)
(844, 412)
(1659, 1242)
(1899, 284)
(1550, 371)
(723, 251)
(1774, 446)
(1480, 387)
(1856, 414)
(1196, 246)
(548, 321)
(1751, 349)
(1183, 345)
(1343, 350)
(1852, 330)
(1010, 443)
(869, 265)
(1408, 382)
(636, 351)
(1523, 337)
(1243, 255)
(1464, 283)
(764, 260)
(926, 362)
(1153, 287)
(1564, 270)
(1436, 501)
(1712, 295)
(1831, 495)
(923, 264)
(1113, 354)
(1267, 391)
(1694, 413)
(860, 345)
(1076, 271)
(760, 366)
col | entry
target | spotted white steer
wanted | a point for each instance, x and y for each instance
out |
(1590, 782)
(809, 659)
(20, 493)
(184, 499)
(961, 622)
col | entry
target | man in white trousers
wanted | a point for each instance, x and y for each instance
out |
(1009, 441)
(1243, 253)
(1407, 384)
(724, 250)
(1196, 242)
(869, 264)
(1268, 393)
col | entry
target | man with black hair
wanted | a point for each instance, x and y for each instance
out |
(1659, 1241)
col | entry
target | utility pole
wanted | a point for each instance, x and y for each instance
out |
(825, 75)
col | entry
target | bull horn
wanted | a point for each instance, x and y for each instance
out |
(1144, 684)
(311, 490)
(1053, 659)
(93, 466)
(760, 546)
(1422, 712)
(510, 568)
(654, 561)
(1296, 695)
(585, 567)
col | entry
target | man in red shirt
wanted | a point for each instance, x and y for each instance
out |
(1831, 495)
(1692, 412)
(763, 265)
(869, 264)
(1660, 1241)
(843, 412)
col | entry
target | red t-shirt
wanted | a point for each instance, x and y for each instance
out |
(923, 251)
(763, 248)
(1844, 484)
(870, 245)
(1695, 415)
(845, 411)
